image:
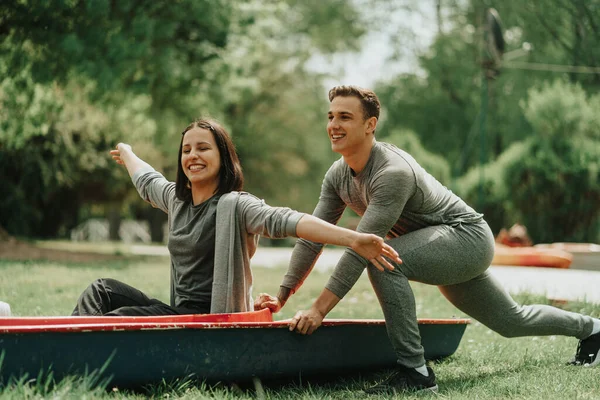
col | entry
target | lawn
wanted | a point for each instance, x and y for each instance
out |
(485, 366)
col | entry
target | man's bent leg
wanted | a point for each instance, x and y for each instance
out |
(398, 304)
(434, 255)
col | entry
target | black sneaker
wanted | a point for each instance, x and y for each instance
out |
(587, 352)
(405, 380)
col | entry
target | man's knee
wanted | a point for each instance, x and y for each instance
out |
(386, 281)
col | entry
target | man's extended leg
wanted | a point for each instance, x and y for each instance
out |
(484, 299)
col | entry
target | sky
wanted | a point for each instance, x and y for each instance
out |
(372, 63)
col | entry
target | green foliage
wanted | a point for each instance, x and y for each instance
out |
(54, 152)
(484, 126)
(562, 112)
(440, 119)
(78, 77)
(485, 188)
(557, 186)
(562, 32)
(322, 21)
(447, 103)
(550, 181)
(140, 45)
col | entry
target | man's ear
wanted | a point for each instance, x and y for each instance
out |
(371, 124)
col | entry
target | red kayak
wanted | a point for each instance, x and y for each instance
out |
(136, 351)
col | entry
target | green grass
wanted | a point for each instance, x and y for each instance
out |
(485, 366)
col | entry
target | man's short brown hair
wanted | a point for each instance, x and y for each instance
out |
(368, 99)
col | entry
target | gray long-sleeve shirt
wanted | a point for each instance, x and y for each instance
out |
(216, 239)
(393, 194)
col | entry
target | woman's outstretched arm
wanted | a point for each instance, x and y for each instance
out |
(124, 155)
(370, 246)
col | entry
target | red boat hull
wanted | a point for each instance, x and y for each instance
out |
(136, 351)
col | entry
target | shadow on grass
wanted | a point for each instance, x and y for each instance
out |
(476, 378)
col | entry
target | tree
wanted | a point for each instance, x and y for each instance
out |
(80, 76)
(451, 83)
(53, 153)
(550, 181)
(556, 187)
(273, 105)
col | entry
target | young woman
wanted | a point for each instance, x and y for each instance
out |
(213, 231)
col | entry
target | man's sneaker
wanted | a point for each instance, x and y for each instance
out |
(587, 352)
(405, 380)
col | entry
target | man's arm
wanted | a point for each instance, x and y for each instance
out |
(384, 209)
(370, 247)
(305, 253)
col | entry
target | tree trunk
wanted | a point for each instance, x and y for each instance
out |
(156, 219)
(113, 214)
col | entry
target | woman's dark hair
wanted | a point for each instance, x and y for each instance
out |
(231, 176)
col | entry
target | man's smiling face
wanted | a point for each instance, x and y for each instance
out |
(348, 130)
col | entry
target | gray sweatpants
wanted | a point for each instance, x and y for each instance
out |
(456, 259)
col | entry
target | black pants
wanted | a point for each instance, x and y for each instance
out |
(111, 297)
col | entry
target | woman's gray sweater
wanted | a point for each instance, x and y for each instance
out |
(240, 219)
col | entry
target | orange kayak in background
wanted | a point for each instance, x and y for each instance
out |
(585, 255)
(532, 257)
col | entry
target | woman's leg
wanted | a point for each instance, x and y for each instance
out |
(106, 296)
(157, 309)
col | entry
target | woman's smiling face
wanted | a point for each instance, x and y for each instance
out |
(200, 157)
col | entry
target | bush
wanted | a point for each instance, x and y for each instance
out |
(549, 182)
(485, 189)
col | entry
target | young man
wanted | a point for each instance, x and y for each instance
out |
(440, 239)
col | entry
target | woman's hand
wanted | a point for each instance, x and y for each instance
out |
(116, 154)
(373, 248)
(306, 322)
(265, 300)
